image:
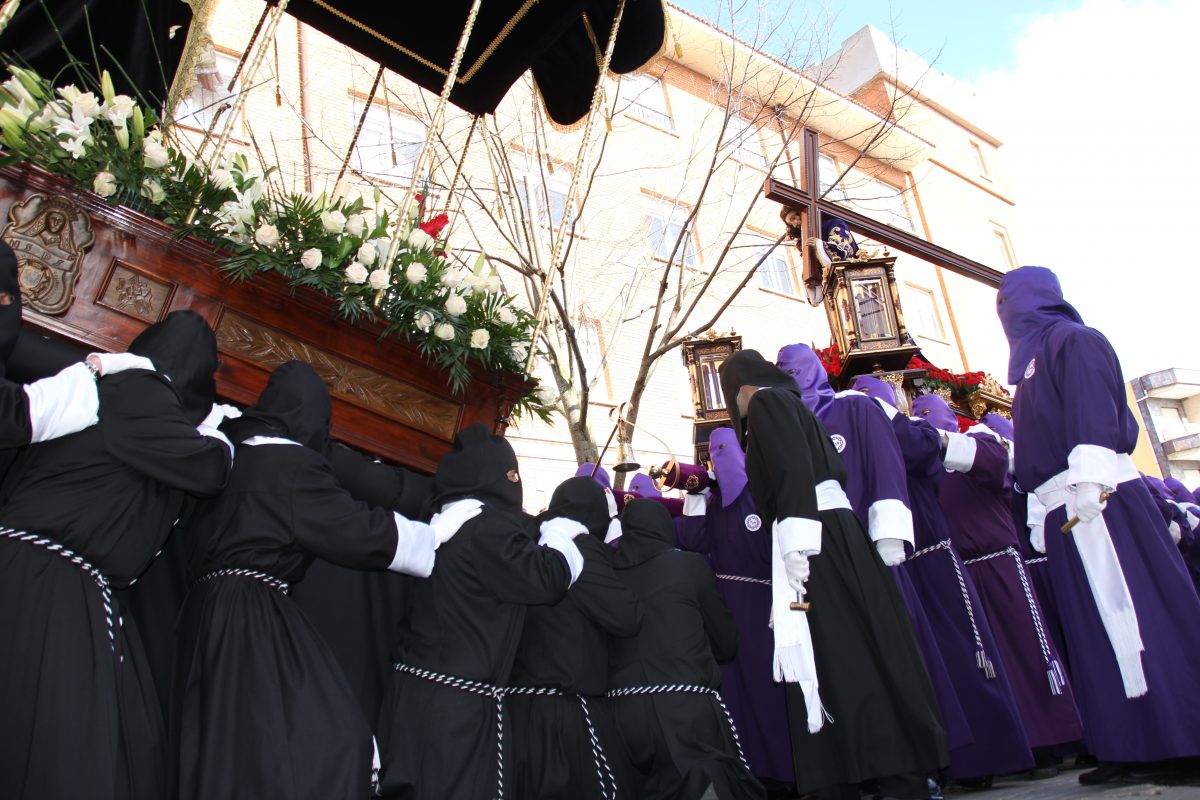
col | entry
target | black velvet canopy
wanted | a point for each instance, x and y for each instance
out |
(563, 43)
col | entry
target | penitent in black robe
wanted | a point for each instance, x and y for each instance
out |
(564, 649)
(873, 682)
(80, 717)
(259, 706)
(678, 743)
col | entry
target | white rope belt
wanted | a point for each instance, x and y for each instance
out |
(981, 657)
(683, 688)
(608, 783)
(238, 572)
(86, 567)
(1038, 560)
(1054, 670)
(475, 687)
(744, 579)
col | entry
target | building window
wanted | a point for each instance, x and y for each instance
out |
(645, 98)
(665, 222)
(549, 192)
(388, 144)
(741, 137)
(980, 163)
(775, 273)
(827, 174)
(921, 314)
(1007, 257)
(881, 201)
(210, 93)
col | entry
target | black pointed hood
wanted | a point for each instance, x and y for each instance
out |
(749, 368)
(583, 500)
(184, 348)
(646, 531)
(478, 467)
(10, 314)
(294, 405)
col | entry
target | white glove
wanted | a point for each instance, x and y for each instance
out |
(112, 363)
(1174, 530)
(218, 413)
(1037, 538)
(453, 516)
(1088, 504)
(561, 526)
(891, 551)
(795, 564)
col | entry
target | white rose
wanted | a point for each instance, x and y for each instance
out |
(154, 154)
(311, 258)
(83, 102)
(356, 225)
(420, 239)
(494, 284)
(267, 235)
(356, 273)
(333, 221)
(480, 338)
(367, 254)
(105, 184)
(425, 320)
(379, 279)
(444, 331)
(153, 190)
(456, 306)
(221, 178)
(416, 272)
(453, 277)
(118, 109)
(506, 315)
(520, 353)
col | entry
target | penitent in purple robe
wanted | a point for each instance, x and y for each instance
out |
(1129, 617)
(975, 497)
(732, 536)
(994, 742)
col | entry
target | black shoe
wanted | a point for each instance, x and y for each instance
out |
(1107, 772)
(975, 784)
(1044, 767)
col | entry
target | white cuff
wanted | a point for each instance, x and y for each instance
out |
(1091, 463)
(1035, 511)
(612, 502)
(890, 519)
(694, 505)
(960, 452)
(614, 530)
(112, 363)
(415, 545)
(798, 533)
(565, 525)
(557, 540)
(1175, 531)
(888, 409)
(63, 403)
(206, 430)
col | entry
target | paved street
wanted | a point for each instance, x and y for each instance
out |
(1066, 787)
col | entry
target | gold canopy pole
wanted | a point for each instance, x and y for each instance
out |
(435, 127)
(561, 230)
(362, 119)
(7, 11)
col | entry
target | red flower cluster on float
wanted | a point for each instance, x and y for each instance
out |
(961, 384)
(434, 225)
(831, 359)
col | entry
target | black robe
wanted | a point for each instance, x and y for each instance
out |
(677, 743)
(873, 680)
(442, 742)
(80, 717)
(565, 647)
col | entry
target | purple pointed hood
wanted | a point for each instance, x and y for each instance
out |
(999, 424)
(1029, 303)
(874, 387)
(799, 361)
(601, 476)
(644, 486)
(936, 412)
(1178, 491)
(1156, 486)
(729, 462)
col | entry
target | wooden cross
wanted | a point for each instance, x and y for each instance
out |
(814, 208)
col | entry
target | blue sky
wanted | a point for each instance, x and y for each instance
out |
(972, 38)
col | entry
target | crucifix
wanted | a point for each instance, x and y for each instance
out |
(812, 208)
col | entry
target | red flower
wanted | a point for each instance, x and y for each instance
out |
(434, 226)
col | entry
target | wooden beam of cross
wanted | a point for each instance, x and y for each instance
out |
(808, 199)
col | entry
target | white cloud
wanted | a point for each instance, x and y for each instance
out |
(1100, 125)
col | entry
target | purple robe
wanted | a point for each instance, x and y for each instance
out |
(994, 741)
(1073, 425)
(738, 547)
(978, 507)
(1180, 519)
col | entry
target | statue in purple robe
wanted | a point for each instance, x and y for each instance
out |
(1126, 603)
(975, 495)
(728, 531)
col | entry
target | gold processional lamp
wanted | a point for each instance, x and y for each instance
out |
(627, 460)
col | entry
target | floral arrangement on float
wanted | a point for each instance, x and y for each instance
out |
(113, 146)
(831, 359)
(951, 386)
